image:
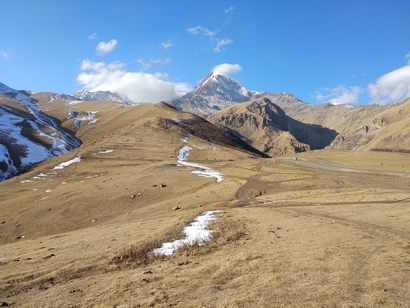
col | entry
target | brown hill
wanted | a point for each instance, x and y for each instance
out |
(266, 127)
(146, 138)
(290, 233)
(109, 116)
(388, 130)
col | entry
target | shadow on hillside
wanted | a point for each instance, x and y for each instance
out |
(316, 136)
(203, 129)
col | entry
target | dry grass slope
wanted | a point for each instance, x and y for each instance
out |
(292, 235)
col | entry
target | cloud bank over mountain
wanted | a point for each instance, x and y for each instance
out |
(138, 86)
(391, 87)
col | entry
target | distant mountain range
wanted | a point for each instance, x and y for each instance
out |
(84, 95)
(38, 126)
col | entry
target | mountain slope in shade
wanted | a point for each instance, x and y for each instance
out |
(266, 127)
(215, 92)
(27, 135)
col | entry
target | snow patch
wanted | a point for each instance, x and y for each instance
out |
(31, 152)
(5, 159)
(67, 163)
(106, 151)
(74, 103)
(26, 181)
(183, 153)
(82, 116)
(196, 232)
(204, 171)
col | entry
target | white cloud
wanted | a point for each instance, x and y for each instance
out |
(147, 65)
(106, 47)
(4, 55)
(339, 95)
(221, 43)
(161, 61)
(227, 68)
(229, 10)
(138, 86)
(391, 87)
(167, 44)
(198, 29)
(93, 36)
(408, 57)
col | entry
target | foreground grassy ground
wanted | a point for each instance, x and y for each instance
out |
(311, 238)
(289, 235)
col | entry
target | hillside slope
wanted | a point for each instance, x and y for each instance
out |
(146, 138)
(388, 130)
(27, 134)
(266, 127)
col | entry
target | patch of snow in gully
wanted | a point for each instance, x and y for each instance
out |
(5, 158)
(106, 151)
(196, 232)
(83, 116)
(67, 163)
(204, 171)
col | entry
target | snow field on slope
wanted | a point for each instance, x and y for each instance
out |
(34, 152)
(196, 232)
(67, 163)
(203, 171)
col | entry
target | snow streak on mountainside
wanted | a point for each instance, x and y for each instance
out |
(62, 97)
(27, 135)
(215, 92)
(102, 96)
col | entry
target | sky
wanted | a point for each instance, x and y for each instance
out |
(339, 51)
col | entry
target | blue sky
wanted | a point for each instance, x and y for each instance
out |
(346, 51)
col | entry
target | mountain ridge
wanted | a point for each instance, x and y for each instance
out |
(85, 95)
(215, 92)
(267, 127)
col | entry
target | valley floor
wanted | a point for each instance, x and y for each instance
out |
(291, 235)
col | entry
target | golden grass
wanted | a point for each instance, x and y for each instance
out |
(313, 238)
(139, 254)
(225, 230)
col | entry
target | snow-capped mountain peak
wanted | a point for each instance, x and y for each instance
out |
(216, 91)
(85, 95)
(223, 83)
